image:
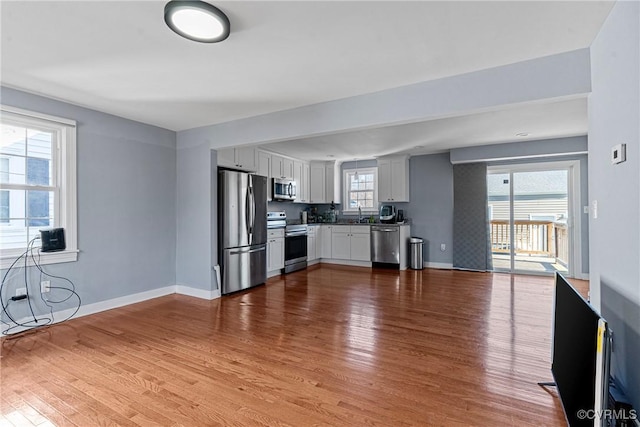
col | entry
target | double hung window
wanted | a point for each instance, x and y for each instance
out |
(361, 190)
(37, 182)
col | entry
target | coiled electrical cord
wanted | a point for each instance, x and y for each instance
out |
(42, 321)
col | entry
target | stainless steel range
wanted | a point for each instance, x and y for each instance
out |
(295, 247)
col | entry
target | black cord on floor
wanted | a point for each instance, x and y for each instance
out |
(37, 322)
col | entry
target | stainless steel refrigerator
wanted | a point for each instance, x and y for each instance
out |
(242, 230)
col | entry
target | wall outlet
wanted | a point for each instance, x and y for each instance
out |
(21, 291)
(45, 286)
(443, 247)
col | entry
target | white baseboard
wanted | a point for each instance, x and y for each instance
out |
(439, 265)
(198, 293)
(346, 262)
(110, 304)
(273, 273)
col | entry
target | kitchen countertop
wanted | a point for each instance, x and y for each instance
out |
(351, 223)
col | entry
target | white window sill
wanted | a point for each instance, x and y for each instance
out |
(68, 255)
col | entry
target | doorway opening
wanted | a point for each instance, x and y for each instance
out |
(531, 210)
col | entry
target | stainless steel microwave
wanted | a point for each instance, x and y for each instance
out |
(284, 189)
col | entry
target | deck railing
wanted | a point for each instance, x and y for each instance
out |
(543, 238)
(562, 242)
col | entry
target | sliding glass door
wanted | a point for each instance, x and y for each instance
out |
(530, 211)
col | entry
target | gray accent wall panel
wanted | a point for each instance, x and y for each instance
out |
(470, 227)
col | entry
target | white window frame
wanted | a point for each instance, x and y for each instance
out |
(64, 162)
(346, 173)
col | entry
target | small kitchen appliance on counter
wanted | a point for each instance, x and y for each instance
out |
(388, 214)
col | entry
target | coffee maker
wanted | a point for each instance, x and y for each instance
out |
(387, 214)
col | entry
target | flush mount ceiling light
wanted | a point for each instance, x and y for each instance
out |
(197, 21)
(522, 134)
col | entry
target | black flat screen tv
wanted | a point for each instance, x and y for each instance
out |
(580, 357)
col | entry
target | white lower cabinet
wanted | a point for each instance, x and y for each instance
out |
(325, 241)
(341, 242)
(312, 254)
(351, 242)
(361, 243)
(275, 250)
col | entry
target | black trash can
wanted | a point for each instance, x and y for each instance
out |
(416, 244)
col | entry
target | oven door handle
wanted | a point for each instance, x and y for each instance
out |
(296, 233)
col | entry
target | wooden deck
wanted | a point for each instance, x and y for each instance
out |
(538, 238)
(330, 345)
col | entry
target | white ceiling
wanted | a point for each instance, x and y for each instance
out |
(120, 58)
(538, 120)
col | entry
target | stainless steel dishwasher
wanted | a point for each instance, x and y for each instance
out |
(385, 244)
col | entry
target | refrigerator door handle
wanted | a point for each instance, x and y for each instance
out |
(253, 209)
(247, 214)
(250, 251)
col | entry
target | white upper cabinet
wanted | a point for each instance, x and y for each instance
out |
(301, 177)
(324, 185)
(393, 179)
(332, 186)
(281, 167)
(264, 164)
(277, 166)
(287, 168)
(244, 158)
(264, 169)
(227, 157)
(316, 182)
(305, 182)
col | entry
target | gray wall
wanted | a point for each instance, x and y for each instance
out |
(126, 201)
(194, 215)
(614, 117)
(431, 205)
(196, 242)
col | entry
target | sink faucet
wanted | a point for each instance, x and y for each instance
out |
(359, 214)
